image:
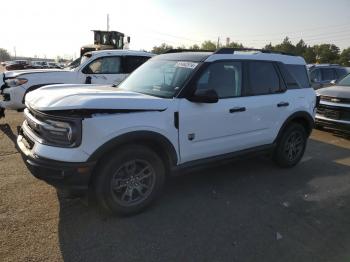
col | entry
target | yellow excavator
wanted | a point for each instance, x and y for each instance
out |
(106, 40)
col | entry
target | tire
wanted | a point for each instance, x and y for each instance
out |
(291, 146)
(129, 180)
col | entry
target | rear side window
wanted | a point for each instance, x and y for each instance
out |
(328, 74)
(263, 78)
(299, 74)
(133, 62)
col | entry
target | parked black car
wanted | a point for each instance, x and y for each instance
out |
(334, 108)
(322, 75)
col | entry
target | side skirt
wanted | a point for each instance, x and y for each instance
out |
(222, 159)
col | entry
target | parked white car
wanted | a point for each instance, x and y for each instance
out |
(99, 67)
(176, 111)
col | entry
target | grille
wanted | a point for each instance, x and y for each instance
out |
(336, 99)
(333, 112)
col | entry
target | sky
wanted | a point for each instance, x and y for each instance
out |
(59, 28)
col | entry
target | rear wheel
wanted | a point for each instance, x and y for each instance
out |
(129, 180)
(291, 146)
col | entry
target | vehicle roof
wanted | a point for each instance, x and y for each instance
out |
(185, 56)
(120, 52)
(323, 65)
(210, 57)
(286, 59)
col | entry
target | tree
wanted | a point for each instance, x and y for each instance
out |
(208, 45)
(327, 53)
(235, 45)
(194, 47)
(310, 55)
(161, 49)
(345, 57)
(286, 46)
(4, 55)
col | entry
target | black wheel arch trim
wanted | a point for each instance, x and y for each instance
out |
(295, 117)
(154, 140)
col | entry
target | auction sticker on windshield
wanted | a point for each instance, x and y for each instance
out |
(186, 64)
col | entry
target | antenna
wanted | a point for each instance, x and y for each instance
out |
(107, 22)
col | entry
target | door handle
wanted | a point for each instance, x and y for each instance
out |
(237, 109)
(280, 104)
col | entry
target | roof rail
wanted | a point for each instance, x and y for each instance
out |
(186, 50)
(228, 50)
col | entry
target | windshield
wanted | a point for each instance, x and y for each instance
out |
(77, 62)
(345, 81)
(159, 78)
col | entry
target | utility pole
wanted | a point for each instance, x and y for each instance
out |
(14, 49)
(218, 44)
(107, 22)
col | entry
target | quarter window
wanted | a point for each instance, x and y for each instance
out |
(224, 77)
(263, 78)
(104, 65)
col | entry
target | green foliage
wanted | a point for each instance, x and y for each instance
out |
(161, 49)
(327, 53)
(208, 45)
(345, 57)
(324, 53)
(4, 55)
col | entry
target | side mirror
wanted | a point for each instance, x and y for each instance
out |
(333, 82)
(88, 80)
(204, 96)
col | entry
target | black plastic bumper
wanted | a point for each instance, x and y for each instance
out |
(64, 175)
(333, 125)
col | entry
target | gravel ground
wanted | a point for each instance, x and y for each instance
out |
(248, 210)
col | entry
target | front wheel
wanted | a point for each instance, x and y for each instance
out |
(291, 146)
(129, 180)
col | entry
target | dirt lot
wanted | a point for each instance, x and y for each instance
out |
(248, 210)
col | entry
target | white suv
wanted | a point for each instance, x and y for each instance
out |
(177, 110)
(99, 67)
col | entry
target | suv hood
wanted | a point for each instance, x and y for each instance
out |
(70, 97)
(16, 73)
(335, 91)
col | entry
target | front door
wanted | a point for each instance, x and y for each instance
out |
(104, 70)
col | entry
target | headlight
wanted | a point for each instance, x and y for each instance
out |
(15, 81)
(58, 132)
(65, 132)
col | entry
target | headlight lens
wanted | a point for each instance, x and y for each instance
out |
(58, 132)
(15, 81)
(65, 132)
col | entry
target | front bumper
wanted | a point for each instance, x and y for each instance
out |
(340, 125)
(65, 175)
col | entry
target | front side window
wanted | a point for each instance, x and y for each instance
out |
(345, 81)
(328, 74)
(104, 65)
(263, 78)
(315, 75)
(161, 78)
(223, 77)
